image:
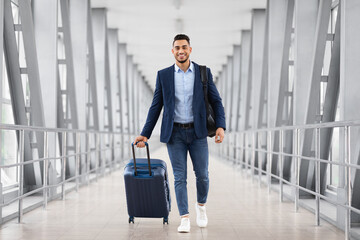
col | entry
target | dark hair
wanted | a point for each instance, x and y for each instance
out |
(181, 37)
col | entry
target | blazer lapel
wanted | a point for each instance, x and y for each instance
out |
(169, 86)
(172, 83)
(197, 84)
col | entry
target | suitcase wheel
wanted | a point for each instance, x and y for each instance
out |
(165, 220)
(131, 219)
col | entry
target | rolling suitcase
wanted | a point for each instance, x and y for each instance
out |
(147, 188)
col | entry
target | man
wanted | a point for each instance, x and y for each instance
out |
(179, 90)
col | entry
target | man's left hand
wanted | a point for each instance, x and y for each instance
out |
(219, 137)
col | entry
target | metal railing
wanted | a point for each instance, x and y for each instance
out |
(117, 152)
(251, 150)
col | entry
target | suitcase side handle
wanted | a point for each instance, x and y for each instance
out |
(148, 156)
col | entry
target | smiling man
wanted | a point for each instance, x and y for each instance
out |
(180, 91)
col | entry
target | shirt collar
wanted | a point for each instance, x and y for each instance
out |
(191, 68)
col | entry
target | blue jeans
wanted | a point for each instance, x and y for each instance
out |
(182, 141)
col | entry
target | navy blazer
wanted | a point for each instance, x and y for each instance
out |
(164, 95)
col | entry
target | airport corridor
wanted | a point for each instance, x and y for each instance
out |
(237, 209)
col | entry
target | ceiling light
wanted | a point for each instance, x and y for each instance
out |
(177, 4)
(179, 25)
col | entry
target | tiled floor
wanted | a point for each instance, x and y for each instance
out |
(237, 209)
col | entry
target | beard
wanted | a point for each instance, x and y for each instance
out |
(183, 61)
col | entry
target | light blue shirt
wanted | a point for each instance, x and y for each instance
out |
(184, 90)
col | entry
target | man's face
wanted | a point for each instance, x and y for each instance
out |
(181, 50)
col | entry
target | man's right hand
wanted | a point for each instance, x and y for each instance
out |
(141, 141)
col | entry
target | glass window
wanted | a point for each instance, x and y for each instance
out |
(5, 85)
(8, 156)
(332, 169)
(8, 138)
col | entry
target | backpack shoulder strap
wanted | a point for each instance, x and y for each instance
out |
(203, 74)
(204, 82)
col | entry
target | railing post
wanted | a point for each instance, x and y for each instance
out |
(112, 150)
(269, 159)
(297, 163)
(228, 144)
(248, 152)
(243, 152)
(21, 175)
(64, 135)
(97, 154)
(222, 146)
(348, 189)
(317, 176)
(228, 151)
(281, 158)
(122, 145)
(253, 156)
(233, 149)
(259, 156)
(45, 168)
(104, 164)
(113, 146)
(239, 150)
(88, 157)
(77, 161)
(227, 147)
(1, 199)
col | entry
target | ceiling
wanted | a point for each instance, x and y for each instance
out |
(148, 29)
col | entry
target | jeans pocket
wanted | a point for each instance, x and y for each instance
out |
(175, 135)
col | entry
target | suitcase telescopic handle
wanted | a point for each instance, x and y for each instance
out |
(148, 156)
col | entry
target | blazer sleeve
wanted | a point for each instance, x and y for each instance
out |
(155, 109)
(216, 102)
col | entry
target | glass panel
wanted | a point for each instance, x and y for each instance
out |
(15, 11)
(323, 86)
(334, 157)
(106, 116)
(57, 161)
(63, 98)
(26, 88)
(8, 156)
(334, 13)
(59, 15)
(63, 76)
(90, 117)
(61, 46)
(5, 83)
(7, 114)
(21, 49)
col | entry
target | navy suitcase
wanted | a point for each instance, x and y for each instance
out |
(147, 188)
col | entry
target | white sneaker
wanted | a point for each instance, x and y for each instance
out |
(201, 218)
(184, 225)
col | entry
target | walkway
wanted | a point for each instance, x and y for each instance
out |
(237, 209)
